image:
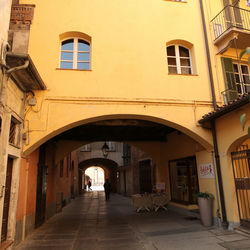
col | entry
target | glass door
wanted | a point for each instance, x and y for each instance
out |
(184, 180)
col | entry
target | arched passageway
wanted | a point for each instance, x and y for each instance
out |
(109, 167)
(94, 178)
(61, 170)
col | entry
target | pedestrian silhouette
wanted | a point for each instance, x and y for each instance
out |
(89, 185)
(107, 189)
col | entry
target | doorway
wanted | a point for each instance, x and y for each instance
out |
(184, 180)
(241, 170)
(95, 174)
(145, 176)
(232, 13)
(7, 199)
(42, 172)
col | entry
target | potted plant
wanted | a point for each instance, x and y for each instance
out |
(205, 202)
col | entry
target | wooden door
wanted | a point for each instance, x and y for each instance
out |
(7, 199)
(41, 188)
(232, 13)
(145, 176)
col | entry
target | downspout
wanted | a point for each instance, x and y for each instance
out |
(5, 78)
(213, 129)
(7, 71)
(24, 66)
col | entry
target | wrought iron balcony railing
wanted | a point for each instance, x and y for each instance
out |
(229, 95)
(231, 17)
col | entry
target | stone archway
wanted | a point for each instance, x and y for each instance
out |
(109, 166)
(184, 126)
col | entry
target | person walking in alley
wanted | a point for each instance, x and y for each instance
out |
(107, 189)
(89, 184)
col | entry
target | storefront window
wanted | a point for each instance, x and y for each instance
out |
(184, 180)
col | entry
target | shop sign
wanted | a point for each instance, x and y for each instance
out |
(207, 170)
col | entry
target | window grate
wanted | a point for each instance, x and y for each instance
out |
(12, 135)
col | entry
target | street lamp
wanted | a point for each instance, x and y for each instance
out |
(105, 149)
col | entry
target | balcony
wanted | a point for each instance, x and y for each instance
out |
(232, 22)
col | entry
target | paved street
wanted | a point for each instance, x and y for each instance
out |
(90, 222)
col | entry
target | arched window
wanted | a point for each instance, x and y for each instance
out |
(179, 60)
(75, 54)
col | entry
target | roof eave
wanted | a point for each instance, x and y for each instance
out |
(224, 110)
(34, 79)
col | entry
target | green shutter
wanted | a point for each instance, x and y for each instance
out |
(229, 78)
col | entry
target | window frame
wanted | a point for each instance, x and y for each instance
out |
(75, 52)
(14, 132)
(86, 148)
(242, 84)
(111, 145)
(178, 58)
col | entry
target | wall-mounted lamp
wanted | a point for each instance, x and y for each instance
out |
(32, 101)
(105, 150)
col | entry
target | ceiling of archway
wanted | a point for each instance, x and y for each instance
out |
(100, 162)
(118, 130)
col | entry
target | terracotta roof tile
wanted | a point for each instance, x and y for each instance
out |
(221, 110)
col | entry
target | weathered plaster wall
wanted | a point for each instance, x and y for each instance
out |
(5, 6)
(26, 207)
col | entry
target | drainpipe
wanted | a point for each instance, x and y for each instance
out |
(24, 66)
(6, 70)
(4, 78)
(217, 195)
(213, 129)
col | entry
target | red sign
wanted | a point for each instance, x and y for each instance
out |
(207, 170)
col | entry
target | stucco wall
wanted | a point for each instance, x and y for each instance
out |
(4, 19)
(229, 138)
(128, 66)
(96, 152)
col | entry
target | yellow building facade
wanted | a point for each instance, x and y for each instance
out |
(228, 33)
(144, 62)
(18, 77)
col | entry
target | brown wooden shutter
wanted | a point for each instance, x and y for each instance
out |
(237, 15)
(229, 78)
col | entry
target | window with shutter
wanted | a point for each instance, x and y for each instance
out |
(229, 78)
(85, 148)
(111, 145)
(242, 78)
(126, 154)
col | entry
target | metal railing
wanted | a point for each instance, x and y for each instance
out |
(229, 95)
(230, 17)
